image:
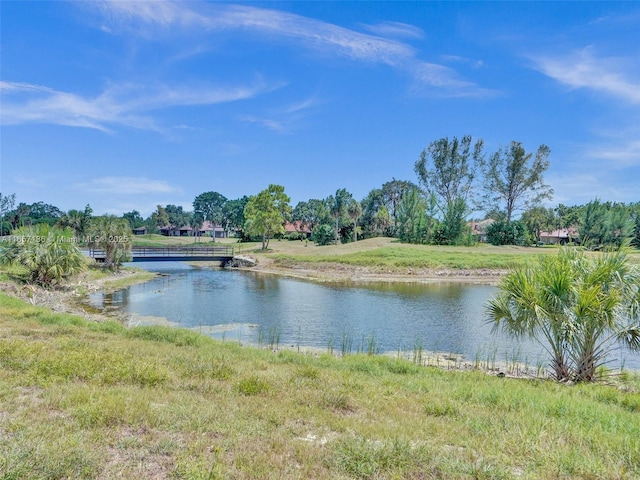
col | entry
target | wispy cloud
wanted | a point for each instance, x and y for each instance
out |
(126, 186)
(118, 105)
(619, 155)
(583, 69)
(301, 31)
(395, 29)
(285, 119)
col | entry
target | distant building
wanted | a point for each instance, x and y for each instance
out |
(479, 229)
(296, 227)
(560, 236)
(207, 229)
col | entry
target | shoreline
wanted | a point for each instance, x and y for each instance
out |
(349, 274)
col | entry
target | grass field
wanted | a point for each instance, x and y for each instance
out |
(96, 400)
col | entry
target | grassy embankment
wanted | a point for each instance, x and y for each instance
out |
(380, 254)
(95, 400)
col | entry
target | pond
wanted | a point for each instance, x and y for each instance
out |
(276, 311)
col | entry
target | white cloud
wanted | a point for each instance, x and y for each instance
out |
(126, 186)
(301, 31)
(271, 124)
(583, 69)
(619, 155)
(124, 105)
(395, 29)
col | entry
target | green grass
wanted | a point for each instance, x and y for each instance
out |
(411, 256)
(97, 400)
(157, 240)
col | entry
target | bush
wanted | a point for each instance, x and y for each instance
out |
(503, 233)
(48, 254)
(323, 234)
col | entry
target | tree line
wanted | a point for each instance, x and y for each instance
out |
(455, 181)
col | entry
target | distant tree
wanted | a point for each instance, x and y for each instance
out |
(620, 225)
(112, 235)
(41, 212)
(134, 218)
(603, 224)
(514, 178)
(392, 193)
(211, 206)
(371, 204)
(354, 210)
(539, 219)
(568, 216)
(311, 213)
(77, 220)
(234, 214)
(635, 217)
(447, 171)
(177, 216)
(453, 229)
(196, 225)
(266, 213)
(20, 216)
(6, 205)
(338, 205)
(48, 254)
(323, 234)
(503, 233)
(415, 217)
(580, 308)
(160, 218)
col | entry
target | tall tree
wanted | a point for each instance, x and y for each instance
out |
(177, 216)
(338, 207)
(447, 170)
(41, 212)
(160, 218)
(134, 218)
(538, 219)
(266, 213)
(354, 210)
(210, 206)
(113, 235)
(514, 178)
(6, 205)
(78, 220)
(234, 214)
(393, 192)
(415, 217)
(371, 205)
(311, 213)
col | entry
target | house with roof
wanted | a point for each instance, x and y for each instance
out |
(297, 227)
(560, 236)
(479, 229)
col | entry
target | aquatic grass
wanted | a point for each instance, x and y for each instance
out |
(346, 344)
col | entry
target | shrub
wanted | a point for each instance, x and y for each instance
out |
(48, 254)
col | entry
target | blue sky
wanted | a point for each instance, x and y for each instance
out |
(126, 105)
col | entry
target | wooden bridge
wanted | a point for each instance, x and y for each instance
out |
(221, 254)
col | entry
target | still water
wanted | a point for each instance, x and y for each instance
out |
(260, 309)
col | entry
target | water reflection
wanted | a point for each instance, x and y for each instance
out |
(254, 308)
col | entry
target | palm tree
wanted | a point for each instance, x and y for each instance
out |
(48, 254)
(354, 209)
(113, 235)
(578, 308)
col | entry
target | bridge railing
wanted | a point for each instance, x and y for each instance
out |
(142, 252)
